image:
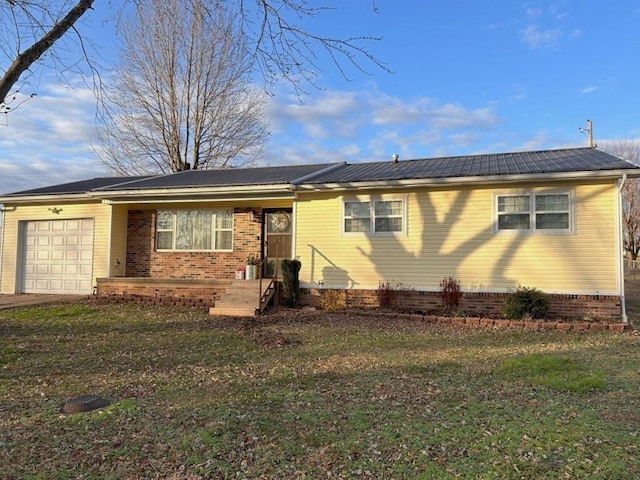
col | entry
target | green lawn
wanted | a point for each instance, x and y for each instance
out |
(311, 395)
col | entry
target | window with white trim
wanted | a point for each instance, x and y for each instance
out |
(534, 212)
(374, 216)
(194, 230)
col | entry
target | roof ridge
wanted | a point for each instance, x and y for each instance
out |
(492, 154)
(139, 178)
(309, 176)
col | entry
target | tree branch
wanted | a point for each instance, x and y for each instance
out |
(27, 58)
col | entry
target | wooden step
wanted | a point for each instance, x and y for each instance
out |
(241, 298)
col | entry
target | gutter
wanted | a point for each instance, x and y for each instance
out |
(620, 250)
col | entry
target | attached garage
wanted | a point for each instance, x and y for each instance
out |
(57, 256)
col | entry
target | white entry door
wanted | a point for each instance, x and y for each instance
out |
(58, 256)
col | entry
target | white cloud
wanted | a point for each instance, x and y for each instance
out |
(47, 140)
(589, 89)
(519, 92)
(455, 116)
(464, 139)
(539, 38)
(533, 12)
(575, 33)
(557, 12)
(369, 125)
(541, 140)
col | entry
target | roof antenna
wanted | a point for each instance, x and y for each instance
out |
(589, 131)
(395, 157)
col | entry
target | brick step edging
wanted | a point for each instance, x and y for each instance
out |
(504, 323)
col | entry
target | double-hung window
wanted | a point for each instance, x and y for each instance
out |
(542, 212)
(374, 216)
(194, 230)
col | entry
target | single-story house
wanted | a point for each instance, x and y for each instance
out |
(549, 220)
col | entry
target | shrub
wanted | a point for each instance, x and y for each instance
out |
(290, 281)
(450, 294)
(526, 302)
(387, 293)
(331, 300)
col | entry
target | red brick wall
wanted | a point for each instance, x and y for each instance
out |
(477, 304)
(182, 292)
(144, 261)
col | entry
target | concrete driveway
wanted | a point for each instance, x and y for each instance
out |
(26, 299)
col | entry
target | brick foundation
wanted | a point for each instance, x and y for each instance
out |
(202, 294)
(182, 292)
(476, 304)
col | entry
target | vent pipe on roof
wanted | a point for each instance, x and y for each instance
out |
(395, 157)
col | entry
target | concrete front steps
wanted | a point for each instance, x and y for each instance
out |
(243, 298)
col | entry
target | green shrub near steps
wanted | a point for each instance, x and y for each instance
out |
(291, 281)
(526, 303)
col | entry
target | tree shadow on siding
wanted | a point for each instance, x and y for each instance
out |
(437, 259)
(332, 274)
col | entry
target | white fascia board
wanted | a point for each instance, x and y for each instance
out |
(200, 199)
(478, 180)
(201, 192)
(49, 198)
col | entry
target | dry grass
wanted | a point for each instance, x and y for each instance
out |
(298, 395)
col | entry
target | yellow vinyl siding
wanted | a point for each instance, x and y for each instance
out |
(451, 232)
(581, 262)
(15, 214)
(118, 257)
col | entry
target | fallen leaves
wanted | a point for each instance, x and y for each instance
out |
(304, 395)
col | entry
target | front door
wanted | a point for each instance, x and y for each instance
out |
(277, 239)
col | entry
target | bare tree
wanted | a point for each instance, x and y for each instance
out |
(629, 150)
(180, 96)
(281, 48)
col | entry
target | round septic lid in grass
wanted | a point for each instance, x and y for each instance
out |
(83, 403)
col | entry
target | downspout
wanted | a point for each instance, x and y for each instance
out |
(619, 251)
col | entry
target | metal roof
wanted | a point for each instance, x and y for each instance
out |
(485, 165)
(225, 177)
(550, 162)
(82, 186)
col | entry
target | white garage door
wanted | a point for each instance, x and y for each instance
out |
(58, 256)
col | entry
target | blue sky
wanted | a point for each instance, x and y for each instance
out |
(469, 77)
